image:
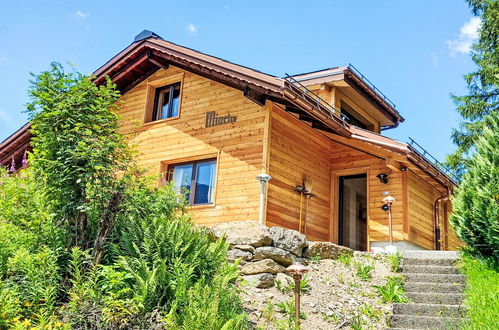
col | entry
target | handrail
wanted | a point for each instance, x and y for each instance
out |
(370, 84)
(425, 154)
(320, 101)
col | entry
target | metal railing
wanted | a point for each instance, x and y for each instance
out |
(424, 153)
(321, 103)
(370, 84)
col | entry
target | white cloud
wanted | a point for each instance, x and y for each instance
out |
(468, 33)
(226, 7)
(191, 29)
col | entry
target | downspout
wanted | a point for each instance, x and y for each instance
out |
(436, 217)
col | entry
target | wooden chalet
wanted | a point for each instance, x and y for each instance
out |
(212, 126)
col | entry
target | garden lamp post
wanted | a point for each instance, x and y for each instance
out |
(263, 178)
(387, 206)
(297, 270)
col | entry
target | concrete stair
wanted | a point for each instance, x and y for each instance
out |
(435, 290)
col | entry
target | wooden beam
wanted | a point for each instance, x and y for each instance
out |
(254, 96)
(138, 80)
(129, 68)
(392, 164)
(157, 62)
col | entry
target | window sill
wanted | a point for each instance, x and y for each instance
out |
(201, 206)
(150, 123)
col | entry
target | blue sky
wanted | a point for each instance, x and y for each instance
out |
(416, 52)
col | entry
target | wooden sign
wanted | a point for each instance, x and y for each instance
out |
(213, 120)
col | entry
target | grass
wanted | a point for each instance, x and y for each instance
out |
(364, 272)
(290, 286)
(482, 293)
(392, 291)
(345, 259)
(395, 260)
(288, 308)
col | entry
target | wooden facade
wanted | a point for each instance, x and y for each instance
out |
(278, 130)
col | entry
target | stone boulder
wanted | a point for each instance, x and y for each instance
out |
(245, 232)
(280, 256)
(234, 254)
(289, 240)
(264, 280)
(283, 279)
(247, 248)
(326, 250)
(262, 266)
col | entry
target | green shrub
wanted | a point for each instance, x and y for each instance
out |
(393, 291)
(395, 261)
(345, 259)
(12, 239)
(36, 279)
(475, 207)
(482, 293)
(364, 272)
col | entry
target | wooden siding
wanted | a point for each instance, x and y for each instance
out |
(422, 197)
(297, 151)
(237, 146)
(349, 161)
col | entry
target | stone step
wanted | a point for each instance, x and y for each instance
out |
(429, 261)
(434, 287)
(436, 298)
(425, 322)
(430, 269)
(435, 310)
(431, 254)
(435, 278)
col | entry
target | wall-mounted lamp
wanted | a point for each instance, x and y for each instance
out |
(383, 178)
(403, 168)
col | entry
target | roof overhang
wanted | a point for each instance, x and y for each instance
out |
(141, 59)
(412, 155)
(14, 147)
(348, 76)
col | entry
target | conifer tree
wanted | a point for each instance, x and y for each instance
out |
(476, 200)
(483, 86)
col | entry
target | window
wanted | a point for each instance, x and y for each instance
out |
(166, 102)
(196, 180)
(354, 118)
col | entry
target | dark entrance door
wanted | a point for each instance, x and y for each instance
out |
(353, 212)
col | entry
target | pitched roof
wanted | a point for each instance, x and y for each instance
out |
(149, 52)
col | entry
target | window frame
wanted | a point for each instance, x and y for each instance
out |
(157, 91)
(152, 84)
(192, 192)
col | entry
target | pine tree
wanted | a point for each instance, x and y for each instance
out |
(476, 200)
(483, 86)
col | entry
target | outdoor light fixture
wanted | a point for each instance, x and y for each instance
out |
(263, 178)
(403, 168)
(387, 206)
(383, 178)
(297, 270)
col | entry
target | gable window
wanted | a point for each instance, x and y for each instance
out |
(195, 180)
(166, 102)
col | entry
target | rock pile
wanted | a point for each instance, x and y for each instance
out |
(265, 252)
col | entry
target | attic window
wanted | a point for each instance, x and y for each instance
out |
(354, 118)
(166, 102)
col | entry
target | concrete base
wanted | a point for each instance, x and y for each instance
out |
(401, 245)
